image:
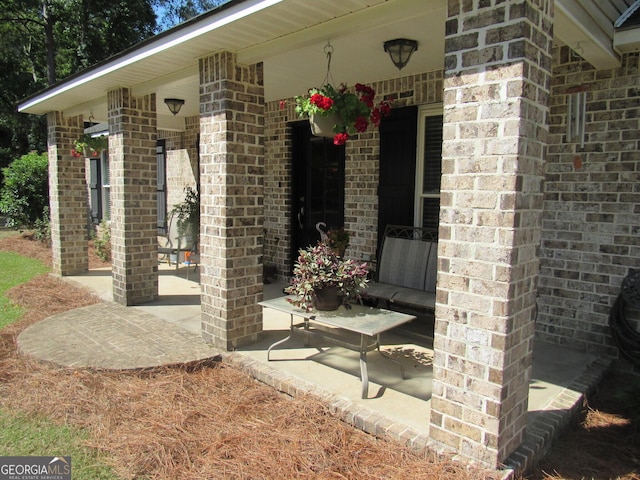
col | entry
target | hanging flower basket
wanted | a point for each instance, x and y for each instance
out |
(322, 126)
(88, 146)
(355, 111)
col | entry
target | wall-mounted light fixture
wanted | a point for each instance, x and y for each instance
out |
(400, 50)
(174, 104)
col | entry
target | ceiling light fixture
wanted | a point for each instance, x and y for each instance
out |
(400, 50)
(174, 104)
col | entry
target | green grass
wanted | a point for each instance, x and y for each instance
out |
(15, 271)
(26, 436)
(21, 435)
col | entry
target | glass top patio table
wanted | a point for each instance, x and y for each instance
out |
(359, 318)
(369, 322)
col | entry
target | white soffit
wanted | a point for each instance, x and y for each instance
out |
(627, 38)
(233, 27)
(586, 27)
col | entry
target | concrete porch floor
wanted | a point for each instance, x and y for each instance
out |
(396, 407)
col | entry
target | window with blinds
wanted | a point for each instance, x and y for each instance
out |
(100, 187)
(428, 203)
(105, 191)
(161, 187)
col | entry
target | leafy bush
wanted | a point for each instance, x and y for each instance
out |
(43, 228)
(24, 197)
(102, 241)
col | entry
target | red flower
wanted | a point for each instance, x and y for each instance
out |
(365, 90)
(76, 154)
(283, 104)
(367, 94)
(325, 103)
(340, 138)
(376, 117)
(361, 124)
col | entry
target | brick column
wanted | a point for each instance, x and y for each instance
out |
(496, 91)
(67, 196)
(232, 185)
(133, 176)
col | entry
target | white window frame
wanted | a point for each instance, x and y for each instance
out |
(105, 185)
(424, 111)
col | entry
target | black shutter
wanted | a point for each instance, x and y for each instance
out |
(396, 188)
(94, 186)
(161, 156)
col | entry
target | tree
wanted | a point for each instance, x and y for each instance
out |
(173, 12)
(44, 40)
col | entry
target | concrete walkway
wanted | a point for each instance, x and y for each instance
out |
(110, 336)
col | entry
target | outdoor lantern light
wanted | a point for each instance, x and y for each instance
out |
(400, 50)
(174, 104)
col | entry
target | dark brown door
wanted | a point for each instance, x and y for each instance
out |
(396, 190)
(318, 186)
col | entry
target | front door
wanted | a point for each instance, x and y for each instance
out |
(318, 186)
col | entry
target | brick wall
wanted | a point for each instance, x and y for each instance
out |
(232, 220)
(133, 173)
(591, 203)
(498, 61)
(67, 196)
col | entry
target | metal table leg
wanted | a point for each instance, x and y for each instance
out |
(364, 375)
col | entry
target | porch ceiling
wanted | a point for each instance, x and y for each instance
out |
(288, 36)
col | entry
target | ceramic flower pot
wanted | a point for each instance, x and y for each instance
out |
(327, 299)
(323, 126)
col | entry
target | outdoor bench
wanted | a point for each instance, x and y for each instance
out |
(407, 269)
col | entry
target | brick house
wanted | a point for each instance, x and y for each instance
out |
(537, 200)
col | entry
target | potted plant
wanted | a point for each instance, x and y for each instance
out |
(319, 272)
(338, 239)
(89, 146)
(187, 214)
(348, 112)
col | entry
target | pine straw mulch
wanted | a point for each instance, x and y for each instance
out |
(602, 444)
(198, 421)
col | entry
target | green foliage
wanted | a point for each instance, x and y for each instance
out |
(15, 270)
(24, 196)
(89, 146)
(102, 241)
(338, 239)
(42, 41)
(174, 12)
(187, 214)
(43, 228)
(39, 436)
